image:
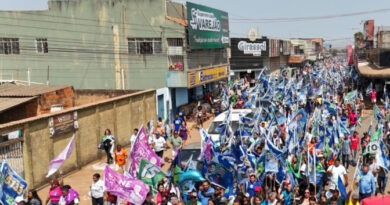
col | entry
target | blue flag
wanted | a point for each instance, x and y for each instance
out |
(12, 185)
(343, 191)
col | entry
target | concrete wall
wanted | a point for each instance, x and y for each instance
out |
(120, 114)
(80, 40)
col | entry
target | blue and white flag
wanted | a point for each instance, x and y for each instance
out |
(12, 185)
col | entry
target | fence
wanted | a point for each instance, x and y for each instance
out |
(13, 151)
(30, 155)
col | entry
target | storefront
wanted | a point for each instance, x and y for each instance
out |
(247, 56)
(202, 81)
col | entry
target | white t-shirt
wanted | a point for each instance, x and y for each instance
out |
(336, 172)
(62, 201)
(158, 143)
(373, 168)
(133, 138)
(97, 189)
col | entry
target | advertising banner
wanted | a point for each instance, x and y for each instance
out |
(64, 123)
(201, 77)
(207, 27)
(243, 47)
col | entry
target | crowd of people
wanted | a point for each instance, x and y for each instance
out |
(299, 146)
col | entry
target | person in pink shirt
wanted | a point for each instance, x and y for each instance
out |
(354, 144)
(352, 116)
(373, 96)
(54, 192)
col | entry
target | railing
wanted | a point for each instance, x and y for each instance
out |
(13, 151)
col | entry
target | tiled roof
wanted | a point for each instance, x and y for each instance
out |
(27, 91)
(7, 103)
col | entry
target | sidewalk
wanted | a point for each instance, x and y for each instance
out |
(81, 180)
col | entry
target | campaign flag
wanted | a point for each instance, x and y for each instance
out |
(150, 174)
(342, 189)
(350, 97)
(11, 184)
(130, 189)
(56, 163)
(141, 150)
(369, 89)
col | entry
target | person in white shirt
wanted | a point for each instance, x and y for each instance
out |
(133, 137)
(337, 170)
(158, 144)
(97, 190)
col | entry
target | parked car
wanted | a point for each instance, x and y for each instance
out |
(214, 133)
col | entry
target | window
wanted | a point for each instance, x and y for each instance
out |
(175, 42)
(144, 45)
(41, 45)
(176, 63)
(9, 46)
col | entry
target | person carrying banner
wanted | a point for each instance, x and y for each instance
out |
(107, 144)
(69, 196)
(54, 192)
(337, 170)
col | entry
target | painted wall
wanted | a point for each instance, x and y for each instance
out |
(81, 43)
(166, 92)
(119, 114)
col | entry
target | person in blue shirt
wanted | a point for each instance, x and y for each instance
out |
(252, 184)
(176, 123)
(367, 185)
(205, 193)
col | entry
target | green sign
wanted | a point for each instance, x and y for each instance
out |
(207, 27)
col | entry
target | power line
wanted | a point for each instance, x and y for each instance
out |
(306, 18)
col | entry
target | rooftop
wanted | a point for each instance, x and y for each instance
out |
(27, 91)
(7, 103)
(369, 70)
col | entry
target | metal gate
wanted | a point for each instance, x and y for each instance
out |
(13, 150)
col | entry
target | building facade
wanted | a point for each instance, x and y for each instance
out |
(95, 44)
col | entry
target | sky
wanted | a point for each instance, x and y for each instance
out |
(335, 31)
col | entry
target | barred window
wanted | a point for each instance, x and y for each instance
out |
(144, 45)
(41, 45)
(9, 46)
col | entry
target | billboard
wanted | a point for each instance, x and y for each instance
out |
(200, 77)
(243, 47)
(369, 30)
(208, 28)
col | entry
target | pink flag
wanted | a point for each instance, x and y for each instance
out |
(141, 150)
(129, 189)
(56, 163)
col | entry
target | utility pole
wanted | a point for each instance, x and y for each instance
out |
(47, 75)
(28, 76)
(117, 61)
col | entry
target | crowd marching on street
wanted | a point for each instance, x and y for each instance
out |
(297, 147)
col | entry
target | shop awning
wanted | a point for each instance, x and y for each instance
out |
(369, 70)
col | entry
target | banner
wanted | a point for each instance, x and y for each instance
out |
(150, 173)
(132, 190)
(12, 185)
(207, 27)
(56, 163)
(141, 150)
(64, 123)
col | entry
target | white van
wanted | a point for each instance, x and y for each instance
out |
(234, 122)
